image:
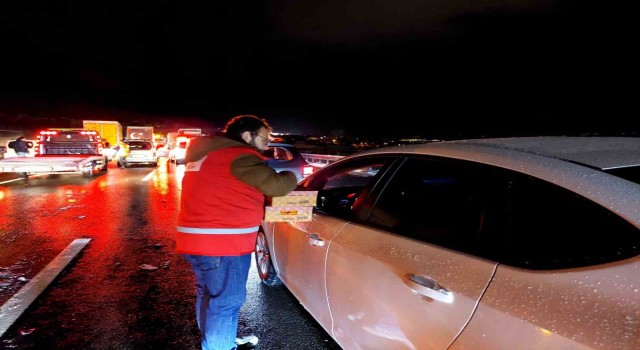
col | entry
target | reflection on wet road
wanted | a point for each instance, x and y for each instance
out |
(126, 289)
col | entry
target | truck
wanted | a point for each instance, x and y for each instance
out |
(109, 130)
(59, 151)
(140, 133)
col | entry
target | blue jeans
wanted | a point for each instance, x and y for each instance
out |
(222, 289)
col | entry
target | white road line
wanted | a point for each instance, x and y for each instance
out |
(149, 176)
(13, 308)
(6, 182)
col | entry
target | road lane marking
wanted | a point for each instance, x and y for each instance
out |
(6, 182)
(20, 178)
(14, 307)
(149, 176)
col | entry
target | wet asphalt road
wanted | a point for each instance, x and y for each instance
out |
(126, 289)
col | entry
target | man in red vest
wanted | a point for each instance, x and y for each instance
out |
(223, 191)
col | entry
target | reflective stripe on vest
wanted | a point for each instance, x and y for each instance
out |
(217, 231)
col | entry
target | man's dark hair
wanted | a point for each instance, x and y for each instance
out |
(245, 122)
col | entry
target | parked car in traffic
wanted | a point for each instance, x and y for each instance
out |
(140, 152)
(512, 243)
(284, 156)
(177, 153)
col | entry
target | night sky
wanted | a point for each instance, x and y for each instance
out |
(432, 67)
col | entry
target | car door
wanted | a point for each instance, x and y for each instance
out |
(568, 277)
(299, 249)
(401, 279)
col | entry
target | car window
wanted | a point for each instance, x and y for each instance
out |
(342, 188)
(436, 202)
(278, 153)
(145, 146)
(501, 215)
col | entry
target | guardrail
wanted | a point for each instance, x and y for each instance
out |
(320, 160)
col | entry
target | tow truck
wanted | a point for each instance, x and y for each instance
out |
(61, 151)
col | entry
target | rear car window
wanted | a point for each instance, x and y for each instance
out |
(144, 146)
(70, 136)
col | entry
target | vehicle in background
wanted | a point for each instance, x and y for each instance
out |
(179, 141)
(172, 136)
(515, 243)
(140, 133)
(162, 150)
(178, 151)
(283, 156)
(61, 151)
(10, 152)
(140, 152)
(190, 132)
(109, 130)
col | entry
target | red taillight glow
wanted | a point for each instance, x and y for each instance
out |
(48, 133)
(307, 170)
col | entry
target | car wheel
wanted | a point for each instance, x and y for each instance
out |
(266, 271)
(23, 175)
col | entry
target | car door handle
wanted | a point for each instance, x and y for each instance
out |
(428, 287)
(315, 240)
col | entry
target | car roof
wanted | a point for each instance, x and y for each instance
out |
(598, 152)
(601, 153)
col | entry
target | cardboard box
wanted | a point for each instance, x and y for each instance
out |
(296, 198)
(290, 213)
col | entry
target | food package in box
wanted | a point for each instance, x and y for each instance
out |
(290, 213)
(296, 198)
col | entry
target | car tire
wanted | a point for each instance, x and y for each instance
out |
(264, 265)
(23, 175)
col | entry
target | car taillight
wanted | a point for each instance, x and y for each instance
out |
(307, 170)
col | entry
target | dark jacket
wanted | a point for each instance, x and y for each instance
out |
(19, 145)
